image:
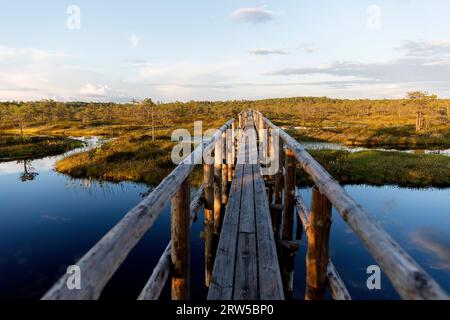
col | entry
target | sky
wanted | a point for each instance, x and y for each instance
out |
(169, 50)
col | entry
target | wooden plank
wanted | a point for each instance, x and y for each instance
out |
(409, 279)
(270, 283)
(247, 220)
(180, 225)
(246, 273)
(221, 287)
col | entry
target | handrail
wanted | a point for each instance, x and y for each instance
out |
(100, 263)
(409, 279)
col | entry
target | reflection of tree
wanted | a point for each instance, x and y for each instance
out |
(28, 174)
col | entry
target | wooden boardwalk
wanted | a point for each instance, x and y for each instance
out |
(246, 265)
(248, 226)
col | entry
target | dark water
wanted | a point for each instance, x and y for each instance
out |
(339, 146)
(50, 220)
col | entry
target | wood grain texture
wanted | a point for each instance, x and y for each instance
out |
(180, 223)
(317, 256)
(221, 287)
(270, 283)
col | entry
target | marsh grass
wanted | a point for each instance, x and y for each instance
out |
(32, 147)
(383, 168)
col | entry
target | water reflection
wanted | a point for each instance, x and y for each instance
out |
(437, 243)
(27, 174)
(338, 146)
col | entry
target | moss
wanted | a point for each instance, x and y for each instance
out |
(32, 147)
(383, 168)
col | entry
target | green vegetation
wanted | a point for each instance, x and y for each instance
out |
(352, 122)
(129, 158)
(31, 147)
(141, 147)
(383, 168)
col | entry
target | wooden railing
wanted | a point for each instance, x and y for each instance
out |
(407, 277)
(102, 261)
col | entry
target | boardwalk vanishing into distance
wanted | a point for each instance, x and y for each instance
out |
(249, 226)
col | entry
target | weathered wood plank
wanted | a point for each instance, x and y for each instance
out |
(221, 287)
(246, 273)
(409, 279)
(270, 283)
(247, 220)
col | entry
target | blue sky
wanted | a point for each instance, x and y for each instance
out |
(220, 50)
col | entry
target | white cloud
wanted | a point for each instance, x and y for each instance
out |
(34, 54)
(308, 47)
(425, 48)
(134, 40)
(266, 52)
(91, 90)
(421, 62)
(253, 15)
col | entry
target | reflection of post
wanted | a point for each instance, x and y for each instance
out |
(180, 221)
(217, 185)
(318, 233)
(208, 172)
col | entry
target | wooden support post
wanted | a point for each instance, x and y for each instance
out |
(287, 255)
(224, 172)
(279, 177)
(318, 234)
(218, 186)
(208, 172)
(240, 120)
(289, 195)
(180, 221)
(230, 156)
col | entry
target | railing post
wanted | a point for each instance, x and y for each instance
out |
(208, 172)
(289, 195)
(318, 233)
(279, 176)
(230, 155)
(287, 255)
(218, 185)
(224, 171)
(180, 221)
